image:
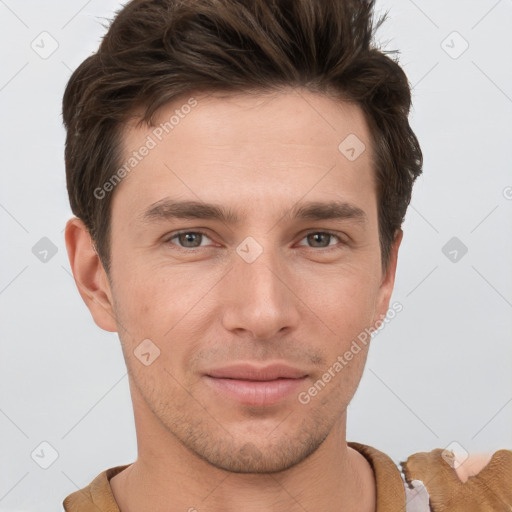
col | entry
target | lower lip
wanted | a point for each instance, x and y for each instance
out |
(252, 392)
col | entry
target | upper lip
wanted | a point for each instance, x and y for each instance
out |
(252, 372)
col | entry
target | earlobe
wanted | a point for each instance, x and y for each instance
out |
(388, 280)
(89, 274)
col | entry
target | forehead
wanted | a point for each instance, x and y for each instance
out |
(289, 115)
(250, 147)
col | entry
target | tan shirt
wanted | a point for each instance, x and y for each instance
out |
(425, 483)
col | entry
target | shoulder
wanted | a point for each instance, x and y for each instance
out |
(95, 496)
(458, 482)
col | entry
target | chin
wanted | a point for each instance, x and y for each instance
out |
(253, 457)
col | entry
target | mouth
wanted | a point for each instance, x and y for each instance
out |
(257, 386)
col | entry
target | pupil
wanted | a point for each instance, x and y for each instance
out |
(189, 237)
(316, 236)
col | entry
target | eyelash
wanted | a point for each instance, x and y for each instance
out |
(198, 231)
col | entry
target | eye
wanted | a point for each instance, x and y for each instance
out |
(193, 239)
(188, 239)
(321, 237)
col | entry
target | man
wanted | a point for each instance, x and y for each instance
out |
(239, 171)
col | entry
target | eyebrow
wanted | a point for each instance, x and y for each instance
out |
(167, 209)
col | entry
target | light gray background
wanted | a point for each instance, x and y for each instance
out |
(439, 372)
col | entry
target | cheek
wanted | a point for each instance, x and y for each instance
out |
(170, 310)
(343, 313)
(138, 310)
(344, 301)
(346, 313)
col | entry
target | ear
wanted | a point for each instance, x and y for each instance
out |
(90, 276)
(388, 280)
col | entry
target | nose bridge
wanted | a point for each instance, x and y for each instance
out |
(261, 301)
(259, 270)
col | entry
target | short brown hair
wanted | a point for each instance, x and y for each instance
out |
(157, 50)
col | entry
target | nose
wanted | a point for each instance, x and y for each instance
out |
(259, 297)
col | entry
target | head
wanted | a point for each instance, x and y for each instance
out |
(239, 171)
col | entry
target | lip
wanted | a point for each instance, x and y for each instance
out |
(259, 373)
(253, 385)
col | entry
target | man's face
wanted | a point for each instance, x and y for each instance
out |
(271, 288)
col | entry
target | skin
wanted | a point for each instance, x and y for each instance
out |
(206, 307)
(471, 465)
